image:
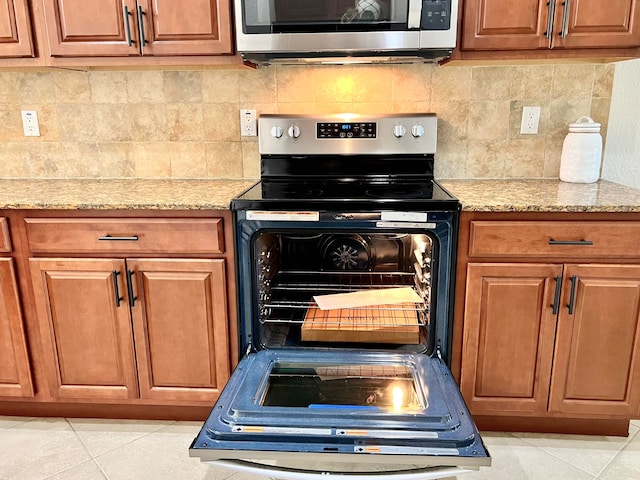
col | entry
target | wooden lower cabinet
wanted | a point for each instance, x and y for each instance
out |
(597, 355)
(509, 332)
(86, 332)
(15, 371)
(180, 328)
(530, 348)
(121, 329)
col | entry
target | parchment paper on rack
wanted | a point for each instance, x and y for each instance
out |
(367, 298)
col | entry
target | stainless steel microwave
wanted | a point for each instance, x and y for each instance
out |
(345, 31)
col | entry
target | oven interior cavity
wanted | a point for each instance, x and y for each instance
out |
(375, 289)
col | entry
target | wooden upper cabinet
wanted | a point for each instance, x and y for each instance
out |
(188, 27)
(597, 351)
(15, 29)
(129, 28)
(504, 24)
(542, 24)
(90, 27)
(597, 23)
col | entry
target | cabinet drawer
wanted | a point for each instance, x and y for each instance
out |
(104, 235)
(5, 240)
(554, 239)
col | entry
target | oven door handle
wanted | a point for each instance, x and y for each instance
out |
(429, 473)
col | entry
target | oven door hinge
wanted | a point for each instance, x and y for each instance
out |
(439, 353)
(249, 350)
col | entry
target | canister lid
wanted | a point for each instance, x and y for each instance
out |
(585, 125)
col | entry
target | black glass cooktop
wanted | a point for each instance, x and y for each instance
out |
(364, 194)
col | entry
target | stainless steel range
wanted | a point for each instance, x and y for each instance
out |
(345, 253)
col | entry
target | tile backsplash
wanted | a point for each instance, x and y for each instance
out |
(185, 124)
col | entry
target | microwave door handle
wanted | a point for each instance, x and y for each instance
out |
(429, 473)
(415, 14)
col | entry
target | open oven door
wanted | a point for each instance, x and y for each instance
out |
(321, 414)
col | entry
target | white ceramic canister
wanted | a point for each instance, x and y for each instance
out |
(581, 152)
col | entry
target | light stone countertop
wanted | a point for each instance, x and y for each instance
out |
(475, 195)
(543, 196)
(120, 194)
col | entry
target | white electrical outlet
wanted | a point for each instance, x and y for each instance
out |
(530, 120)
(248, 123)
(30, 123)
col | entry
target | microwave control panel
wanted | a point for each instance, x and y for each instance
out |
(436, 15)
(347, 130)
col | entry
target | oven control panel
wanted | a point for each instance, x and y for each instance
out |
(347, 134)
(346, 130)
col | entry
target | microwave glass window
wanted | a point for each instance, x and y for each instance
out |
(300, 16)
(373, 387)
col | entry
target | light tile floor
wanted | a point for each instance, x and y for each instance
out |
(89, 449)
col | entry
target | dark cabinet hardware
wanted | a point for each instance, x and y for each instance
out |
(572, 297)
(565, 19)
(132, 238)
(555, 306)
(552, 11)
(116, 289)
(127, 25)
(143, 40)
(132, 297)
(570, 242)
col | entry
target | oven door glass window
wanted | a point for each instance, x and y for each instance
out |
(366, 407)
(304, 16)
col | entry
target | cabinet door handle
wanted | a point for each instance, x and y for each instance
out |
(572, 297)
(551, 5)
(116, 289)
(143, 40)
(570, 242)
(132, 297)
(107, 237)
(555, 306)
(565, 20)
(127, 25)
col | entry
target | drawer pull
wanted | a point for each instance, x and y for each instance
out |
(572, 297)
(115, 288)
(570, 242)
(555, 306)
(132, 238)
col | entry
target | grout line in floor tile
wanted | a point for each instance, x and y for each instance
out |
(562, 459)
(615, 457)
(120, 446)
(76, 466)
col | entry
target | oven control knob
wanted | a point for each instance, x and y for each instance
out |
(294, 131)
(276, 132)
(417, 131)
(399, 131)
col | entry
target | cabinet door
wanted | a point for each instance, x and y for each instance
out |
(15, 374)
(505, 24)
(597, 23)
(77, 28)
(597, 353)
(181, 332)
(15, 29)
(86, 333)
(509, 329)
(188, 27)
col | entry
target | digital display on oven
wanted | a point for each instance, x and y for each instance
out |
(347, 130)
